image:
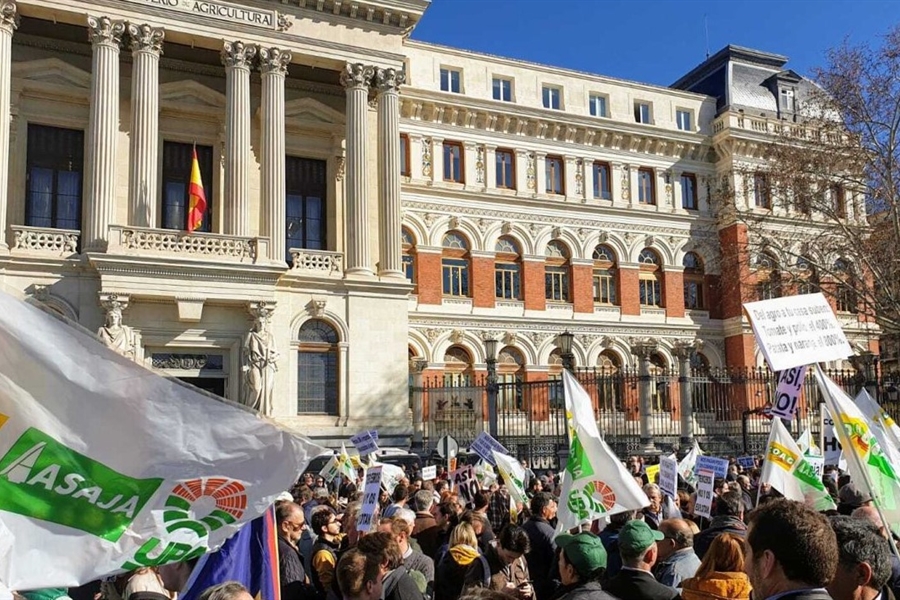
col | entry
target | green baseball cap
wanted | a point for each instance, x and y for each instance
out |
(584, 551)
(636, 536)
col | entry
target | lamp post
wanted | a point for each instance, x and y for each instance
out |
(565, 350)
(490, 358)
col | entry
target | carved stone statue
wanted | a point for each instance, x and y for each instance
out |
(114, 334)
(259, 362)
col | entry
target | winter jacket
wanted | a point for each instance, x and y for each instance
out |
(398, 585)
(717, 526)
(718, 585)
(588, 591)
(506, 578)
(459, 568)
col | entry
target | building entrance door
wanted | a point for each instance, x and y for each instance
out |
(213, 386)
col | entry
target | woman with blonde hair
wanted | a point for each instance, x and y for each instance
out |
(720, 575)
(460, 566)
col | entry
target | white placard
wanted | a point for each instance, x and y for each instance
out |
(668, 476)
(465, 483)
(365, 443)
(797, 330)
(429, 473)
(787, 394)
(374, 434)
(331, 469)
(703, 506)
(483, 446)
(371, 494)
(719, 466)
(831, 446)
(390, 476)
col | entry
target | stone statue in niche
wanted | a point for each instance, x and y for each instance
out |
(114, 334)
(259, 362)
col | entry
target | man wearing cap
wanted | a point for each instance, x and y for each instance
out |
(850, 498)
(637, 545)
(582, 563)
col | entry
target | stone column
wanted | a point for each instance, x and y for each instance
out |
(356, 79)
(146, 46)
(573, 184)
(683, 351)
(642, 349)
(417, 366)
(388, 82)
(103, 127)
(273, 64)
(237, 57)
(522, 166)
(9, 20)
(540, 176)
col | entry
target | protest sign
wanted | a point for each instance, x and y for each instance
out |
(371, 494)
(797, 330)
(331, 469)
(748, 462)
(484, 446)
(703, 506)
(831, 445)
(374, 434)
(390, 476)
(651, 472)
(787, 394)
(719, 466)
(364, 443)
(668, 476)
(429, 473)
(465, 483)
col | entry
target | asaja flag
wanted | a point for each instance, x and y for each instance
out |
(878, 416)
(687, 465)
(870, 467)
(513, 474)
(807, 444)
(787, 470)
(196, 196)
(594, 483)
(105, 466)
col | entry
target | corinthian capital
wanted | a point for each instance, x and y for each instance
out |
(274, 60)
(684, 350)
(103, 30)
(146, 38)
(238, 54)
(9, 16)
(357, 75)
(389, 80)
(643, 348)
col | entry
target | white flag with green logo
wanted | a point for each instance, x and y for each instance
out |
(106, 466)
(594, 483)
(878, 416)
(513, 474)
(787, 470)
(807, 444)
(687, 464)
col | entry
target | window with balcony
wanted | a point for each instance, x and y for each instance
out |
(604, 275)
(507, 269)
(556, 272)
(597, 104)
(453, 162)
(552, 97)
(649, 288)
(306, 186)
(601, 181)
(318, 383)
(646, 186)
(555, 173)
(175, 185)
(502, 89)
(688, 191)
(694, 273)
(455, 264)
(683, 120)
(451, 80)
(506, 169)
(54, 173)
(642, 113)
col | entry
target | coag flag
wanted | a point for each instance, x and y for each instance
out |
(869, 466)
(196, 196)
(687, 465)
(594, 482)
(106, 466)
(249, 557)
(787, 470)
(513, 474)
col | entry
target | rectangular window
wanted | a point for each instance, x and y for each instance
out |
(408, 269)
(176, 178)
(597, 105)
(786, 99)
(646, 187)
(555, 175)
(683, 119)
(506, 169)
(839, 202)
(649, 292)
(556, 284)
(506, 282)
(455, 276)
(552, 97)
(54, 177)
(306, 191)
(642, 112)
(693, 295)
(450, 80)
(601, 181)
(453, 162)
(761, 191)
(502, 89)
(688, 191)
(404, 155)
(317, 382)
(604, 287)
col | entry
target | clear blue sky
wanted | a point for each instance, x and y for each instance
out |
(652, 41)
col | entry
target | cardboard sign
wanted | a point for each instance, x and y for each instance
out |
(831, 446)
(483, 446)
(748, 462)
(465, 483)
(787, 394)
(374, 434)
(797, 330)
(703, 506)
(651, 472)
(668, 476)
(429, 473)
(371, 494)
(331, 469)
(365, 443)
(719, 466)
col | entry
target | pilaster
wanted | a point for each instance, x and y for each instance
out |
(490, 167)
(540, 168)
(572, 182)
(437, 159)
(273, 65)
(356, 79)
(237, 58)
(9, 21)
(522, 179)
(643, 349)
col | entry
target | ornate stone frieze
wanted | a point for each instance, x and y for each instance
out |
(237, 54)
(389, 80)
(426, 157)
(531, 171)
(274, 60)
(479, 163)
(579, 177)
(316, 307)
(284, 22)
(144, 38)
(103, 30)
(357, 75)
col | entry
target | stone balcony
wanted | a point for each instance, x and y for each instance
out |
(145, 241)
(323, 263)
(45, 242)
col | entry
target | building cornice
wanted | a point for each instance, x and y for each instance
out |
(387, 16)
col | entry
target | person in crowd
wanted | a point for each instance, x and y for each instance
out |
(850, 498)
(348, 525)
(720, 575)
(144, 583)
(425, 530)
(542, 552)
(480, 524)
(359, 576)
(325, 550)
(229, 590)
(420, 567)
(535, 486)
(447, 518)
(677, 560)
(498, 509)
(685, 504)
(529, 474)
(461, 566)
(291, 523)
(582, 564)
(791, 552)
(728, 518)
(864, 563)
(610, 538)
(743, 484)
(653, 514)
(397, 583)
(637, 545)
(870, 514)
(398, 500)
(506, 561)
(348, 488)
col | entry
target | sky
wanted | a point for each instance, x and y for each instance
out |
(654, 41)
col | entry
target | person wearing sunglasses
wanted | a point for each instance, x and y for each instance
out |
(291, 524)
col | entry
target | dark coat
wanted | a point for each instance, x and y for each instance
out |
(427, 533)
(292, 574)
(541, 557)
(818, 594)
(588, 591)
(452, 578)
(718, 526)
(398, 585)
(631, 584)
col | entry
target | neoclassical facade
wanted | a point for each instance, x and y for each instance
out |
(386, 204)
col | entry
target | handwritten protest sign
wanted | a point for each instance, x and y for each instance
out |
(787, 394)
(668, 476)
(484, 445)
(703, 506)
(371, 494)
(465, 483)
(365, 443)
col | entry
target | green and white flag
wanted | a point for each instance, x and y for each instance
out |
(688, 463)
(105, 466)
(807, 444)
(594, 483)
(787, 470)
(513, 474)
(878, 416)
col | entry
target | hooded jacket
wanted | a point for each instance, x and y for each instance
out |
(460, 567)
(718, 585)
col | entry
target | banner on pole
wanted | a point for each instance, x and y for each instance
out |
(485, 445)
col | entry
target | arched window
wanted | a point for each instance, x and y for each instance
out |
(768, 277)
(694, 298)
(649, 288)
(317, 369)
(845, 296)
(556, 274)
(604, 275)
(409, 256)
(458, 368)
(455, 264)
(659, 383)
(510, 373)
(507, 269)
(808, 277)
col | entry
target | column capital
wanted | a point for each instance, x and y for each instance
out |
(389, 80)
(237, 54)
(145, 38)
(643, 347)
(104, 31)
(274, 61)
(9, 16)
(357, 76)
(685, 349)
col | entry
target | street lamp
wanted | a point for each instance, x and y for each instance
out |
(490, 358)
(565, 350)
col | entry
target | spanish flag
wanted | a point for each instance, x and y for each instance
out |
(197, 198)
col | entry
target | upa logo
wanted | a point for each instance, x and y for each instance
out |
(214, 501)
(596, 497)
